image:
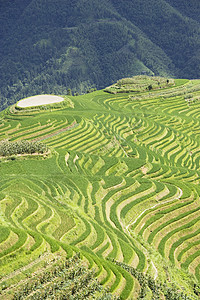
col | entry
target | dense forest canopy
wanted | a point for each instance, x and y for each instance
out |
(53, 45)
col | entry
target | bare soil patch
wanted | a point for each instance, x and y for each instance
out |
(39, 100)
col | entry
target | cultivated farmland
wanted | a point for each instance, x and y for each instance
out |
(119, 187)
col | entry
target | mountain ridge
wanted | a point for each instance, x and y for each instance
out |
(50, 46)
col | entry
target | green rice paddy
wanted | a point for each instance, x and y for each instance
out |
(120, 186)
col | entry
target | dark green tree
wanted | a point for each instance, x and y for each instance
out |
(69, 92)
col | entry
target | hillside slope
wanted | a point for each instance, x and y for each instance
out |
(120, 187)
(50, 46)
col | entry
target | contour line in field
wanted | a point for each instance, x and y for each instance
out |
(39, 100)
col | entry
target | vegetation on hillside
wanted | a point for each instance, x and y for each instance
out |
(139, 84)
(51, 46)
(121, 187)
(8, 148)
(157, 288)
(63, 279)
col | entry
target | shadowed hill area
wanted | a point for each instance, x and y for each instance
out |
(50, 46)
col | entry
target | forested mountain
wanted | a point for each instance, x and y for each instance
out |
(52, 45)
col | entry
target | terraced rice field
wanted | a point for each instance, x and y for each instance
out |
(121, 187)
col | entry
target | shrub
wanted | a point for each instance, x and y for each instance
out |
(8, 148)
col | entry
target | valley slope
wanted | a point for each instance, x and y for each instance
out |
(120, 187)
(50, 46)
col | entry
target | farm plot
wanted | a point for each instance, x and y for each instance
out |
(120, 190)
